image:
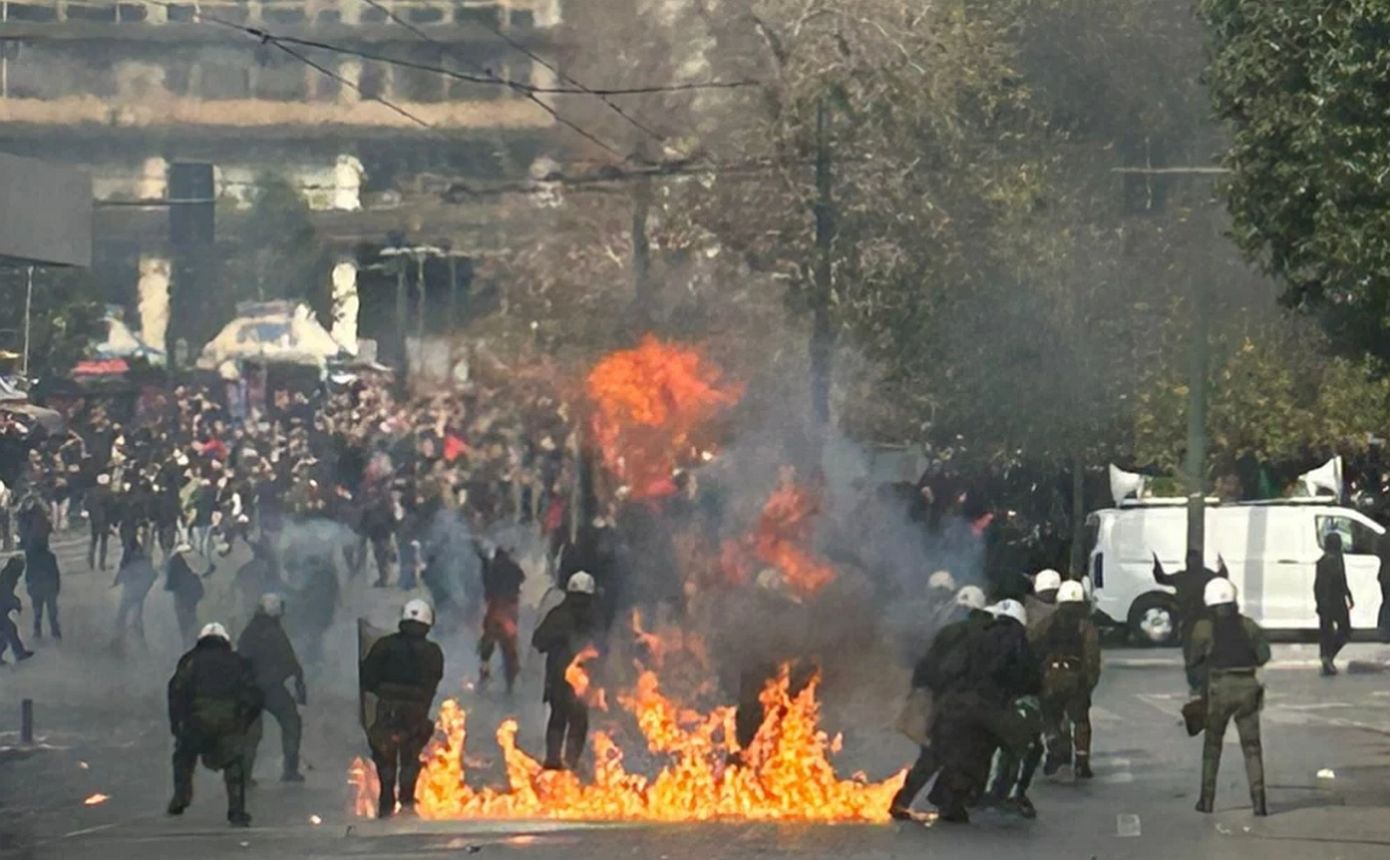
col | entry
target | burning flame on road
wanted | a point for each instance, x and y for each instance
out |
(96, 799)
(652, 406)
(577, 676)
(786, 774)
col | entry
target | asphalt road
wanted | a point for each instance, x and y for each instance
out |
(102, 730)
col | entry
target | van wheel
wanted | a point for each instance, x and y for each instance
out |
(1153, 620)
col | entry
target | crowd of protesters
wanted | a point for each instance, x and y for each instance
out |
(401, 480)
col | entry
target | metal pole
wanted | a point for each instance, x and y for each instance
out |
(420, 310)
(400, 315)
(26, 722)
(1196, 465)
(451, 311)
(822, 335)
(28, 306)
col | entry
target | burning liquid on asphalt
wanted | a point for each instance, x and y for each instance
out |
(785, 775)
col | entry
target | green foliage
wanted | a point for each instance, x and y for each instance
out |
(1302, 83)
(279, 253)
(66, 317)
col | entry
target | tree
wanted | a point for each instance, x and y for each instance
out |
(1302, 84)
(64, 320)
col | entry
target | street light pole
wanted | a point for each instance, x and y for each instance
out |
(28, 306)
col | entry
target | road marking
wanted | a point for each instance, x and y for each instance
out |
(1101, 715)
(1128, 826)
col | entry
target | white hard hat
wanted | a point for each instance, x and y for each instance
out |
(103, 479)
(272, 605)
(581, 583)
(1219, 591)
(1071, 592)
(215, 629)
(418, 610)
(1047, 580)
(942, 579)
(1010, 609)
(971, 597)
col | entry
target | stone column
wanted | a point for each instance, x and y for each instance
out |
(153, 288)
(345, 305)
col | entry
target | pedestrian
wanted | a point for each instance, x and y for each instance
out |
(928, 681)
(265, 644)
(6, 532)
(213, 700)
(136, 576)
(43, 581)
(502, 579)
(9, 606)
(564, 632)
(100, 506)
(1190, 583)
(403, 671)
(1069, 645)
(187, 588)
(1334, 602)
(1227, 649)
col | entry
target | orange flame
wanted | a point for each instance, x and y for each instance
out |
(578, 678)
(785, 775)
(785, 528)
(652, 406)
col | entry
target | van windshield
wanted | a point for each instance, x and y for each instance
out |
(1357, 538)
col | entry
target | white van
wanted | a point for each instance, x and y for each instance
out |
(1270, 548)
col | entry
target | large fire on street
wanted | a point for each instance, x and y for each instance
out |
(785, 775)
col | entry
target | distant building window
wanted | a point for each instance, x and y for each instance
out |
(105, 13)
(523, 19)
(180, 12)
(282, 14)
(31, 12)
(372, 83)
(134, 11)
(479, 15)
(282, 78)
(221, 81)
(422, 85)
(426, 15)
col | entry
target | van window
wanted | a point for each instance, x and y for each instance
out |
(1357, 538)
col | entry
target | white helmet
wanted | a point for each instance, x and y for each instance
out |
(581, 583)
(216, 630)
(1047, 580)
(418, 610)
(272, 605)
(942, 579)
(971, 597)
(1010, 609)
(1071, 592)
(1219, 591)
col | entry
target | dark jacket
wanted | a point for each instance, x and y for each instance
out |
(1226, 640)
(179, 578)
(947, 663)
(9, 581)
(404, 666)
(41, 571)
(213, 689)
(1330, 588)
(502, 577)
(1191, 586)
(562, 634)
(265, 644)
(1007, 667)
(1069, 636)
(101, 506)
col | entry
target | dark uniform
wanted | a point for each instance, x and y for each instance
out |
(984, 674)
(187, 590)
(937, 672)
(1070, 648)
(101, 508)
(9, 602)
(265, 644)
(213, 699)
(1334, 602)
(560, 637)
(403, 671)
(1225, 651)
(43, 582)
(502, 579)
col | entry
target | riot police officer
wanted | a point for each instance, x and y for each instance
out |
(1070, 647)
(213, 699)
(1225, 652)
(403, 671)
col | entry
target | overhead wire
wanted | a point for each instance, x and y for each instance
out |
(529, 96)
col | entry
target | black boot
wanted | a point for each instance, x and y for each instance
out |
(1083, 767)
(1257, 800)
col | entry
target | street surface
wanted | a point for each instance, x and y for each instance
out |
(102, 729)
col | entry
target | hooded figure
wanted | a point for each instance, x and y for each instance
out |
(1334, 602)
(272, 657)
(9, 604)
(43, 582)
(136, 576)
(187, 589)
